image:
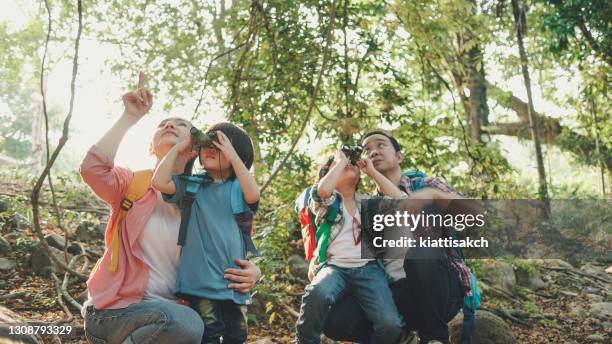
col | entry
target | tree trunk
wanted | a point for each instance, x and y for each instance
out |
(476, 83)
(597, 147)
(35, 163)
(472, 78)
(533, 120)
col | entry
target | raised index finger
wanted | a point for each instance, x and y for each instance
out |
(141, 79)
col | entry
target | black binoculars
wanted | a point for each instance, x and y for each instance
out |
(353, 153)
(201, 139)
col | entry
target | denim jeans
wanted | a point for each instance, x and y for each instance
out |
(367, 285)
(145, 322)
(428, 298)
(222, 318)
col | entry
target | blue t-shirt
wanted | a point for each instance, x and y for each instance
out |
(213, 243)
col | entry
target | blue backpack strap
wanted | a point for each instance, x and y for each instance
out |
(417, 179)
(470, 304)
(244, 216)
(236, 197)
(337, 205)
(192, 186)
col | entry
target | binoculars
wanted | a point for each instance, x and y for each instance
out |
(201, 139)
(353, 153)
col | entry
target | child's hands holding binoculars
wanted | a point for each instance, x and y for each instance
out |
(340, 157)
(137, 103)
(224, 144)
(366, 165)
(183, 148)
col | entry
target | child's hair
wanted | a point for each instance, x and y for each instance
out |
(326, 166)
(239, 139)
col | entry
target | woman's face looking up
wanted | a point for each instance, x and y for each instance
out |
(169, 132)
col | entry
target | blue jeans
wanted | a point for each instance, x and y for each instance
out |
(145, 322)
(222, 318)
(428, 298)
(367, 284)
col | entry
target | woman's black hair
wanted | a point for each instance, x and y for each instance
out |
(189, 166)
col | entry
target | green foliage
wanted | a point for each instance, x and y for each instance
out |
(527, 265)
(579, 25)
(530, 307)
(18, 87)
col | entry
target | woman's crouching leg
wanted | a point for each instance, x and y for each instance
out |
(169, 323)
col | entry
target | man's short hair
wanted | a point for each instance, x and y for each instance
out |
(393, 140)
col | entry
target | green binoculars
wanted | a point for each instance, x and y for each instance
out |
(353, 153)
(203, 140)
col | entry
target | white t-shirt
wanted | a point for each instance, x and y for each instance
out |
(342, 251)
(160, 250)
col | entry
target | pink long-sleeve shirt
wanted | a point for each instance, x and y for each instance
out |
(119, 289)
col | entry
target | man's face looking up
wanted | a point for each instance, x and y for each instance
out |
(380, 150)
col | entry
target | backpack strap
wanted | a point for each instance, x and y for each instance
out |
(191, 189)
(244, 217)
(417, 179)
(307, 227)
(302, 200)
(141, 181)
(323, 232)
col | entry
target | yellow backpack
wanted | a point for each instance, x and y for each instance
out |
(138, 186)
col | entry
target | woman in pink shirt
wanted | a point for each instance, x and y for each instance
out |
(131, 292)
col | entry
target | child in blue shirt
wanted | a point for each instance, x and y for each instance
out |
(213, 238)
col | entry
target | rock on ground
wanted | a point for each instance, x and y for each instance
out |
(602, 310)
(488, 329)
(499, 275)
(6, 264)
(55, 240)
(88, 231)
(41, 264)
(530, 279)
(298, 266)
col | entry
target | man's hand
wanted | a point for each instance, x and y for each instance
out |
(244, 278)
(138, 103)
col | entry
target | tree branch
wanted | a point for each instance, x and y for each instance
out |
(313, 98)
(34, 197)
(551, 129)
